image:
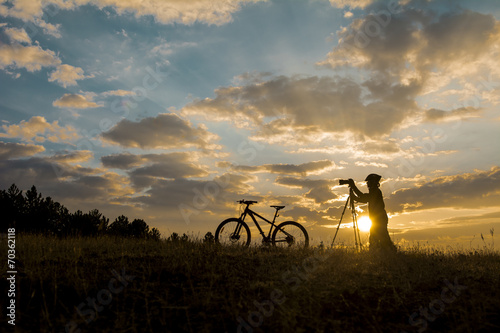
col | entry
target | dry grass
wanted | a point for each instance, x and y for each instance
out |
(197, 287)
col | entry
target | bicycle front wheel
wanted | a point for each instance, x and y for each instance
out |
(290, 234)
(233, 231)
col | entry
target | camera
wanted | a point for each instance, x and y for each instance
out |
(343, 182)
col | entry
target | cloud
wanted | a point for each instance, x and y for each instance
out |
(350, 3)
(145, 170)
(32, 171)
(33, 11)
(385, 50)
(200, 204)
(14, 150)
(320, 190)
(306, 109)
(384, 147)
(371, 164)
(75, 101)
(164, 131)
(39, 130)
(48, 28)
(62, 177)
(303, 169)
(119, 92)
(107, 187)
(436, 115)
(192, 197)
(123, 161)
(25, 10)
(150, 174)
(462, 36)
(77, 156)
(303, 182)
(18, 35)
(470, 219)
(415, 44)
(312, 216)
(351, 146)
(166, 12)
(67, 75)
(179, 11)
(31, 57)
(40, 171)
(165, 49)
(469, 190)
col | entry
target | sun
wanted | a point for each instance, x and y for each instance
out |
(364, 223)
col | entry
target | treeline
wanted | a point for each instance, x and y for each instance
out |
(32, 213)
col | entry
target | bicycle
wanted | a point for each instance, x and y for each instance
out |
(235, 231)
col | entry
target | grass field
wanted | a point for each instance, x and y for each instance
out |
(124, 285)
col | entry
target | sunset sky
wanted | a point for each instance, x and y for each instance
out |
(170, 111)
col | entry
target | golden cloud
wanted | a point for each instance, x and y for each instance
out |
(67, 75)
(310, 107)
(31, 57)
(75, 101)
(18, 35)
(351, 3)
(304, 169)
(174, 11)
(10, 150)
(39, 130)
(469, 190)
(414, 45)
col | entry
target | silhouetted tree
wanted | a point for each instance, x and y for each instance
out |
(87, 224)
(120, 226)
(139, 228)
(34, 213)
(12, 207)
(76, 224)
(154, 234)
(58, 217)
(96, 221)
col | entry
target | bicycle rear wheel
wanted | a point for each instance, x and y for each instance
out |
(233, 231)
(290, 234)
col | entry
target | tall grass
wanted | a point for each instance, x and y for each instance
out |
(191, 286)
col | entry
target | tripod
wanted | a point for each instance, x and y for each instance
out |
(350, 202)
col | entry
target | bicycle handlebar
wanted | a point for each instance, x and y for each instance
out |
(246, 202)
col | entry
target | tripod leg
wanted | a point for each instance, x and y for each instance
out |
(357, 237)
(340, 221)
(354, 224)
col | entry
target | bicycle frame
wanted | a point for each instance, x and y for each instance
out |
(253, 214)
(294, 235)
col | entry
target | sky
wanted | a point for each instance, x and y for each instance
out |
(171, 111)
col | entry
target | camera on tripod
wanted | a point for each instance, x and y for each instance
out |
(343, 181)
(350, 203)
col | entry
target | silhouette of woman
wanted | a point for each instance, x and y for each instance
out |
(379, 236)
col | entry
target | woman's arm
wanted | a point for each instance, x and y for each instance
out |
(357, 194)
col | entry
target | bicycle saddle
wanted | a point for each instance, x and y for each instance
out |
(278, 207)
